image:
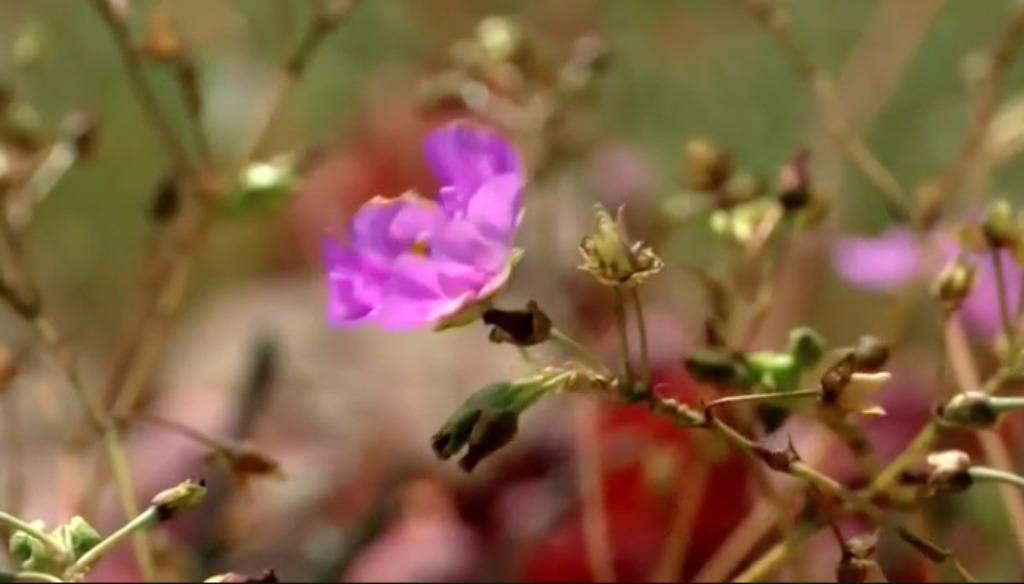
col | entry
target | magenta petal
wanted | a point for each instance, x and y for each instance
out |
(463, 157)
(496, 208)
(353, 290)
(350, 301)
(880, 263)
(385, 228)
(460, 241)
(415, 295)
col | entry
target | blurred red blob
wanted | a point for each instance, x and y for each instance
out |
(642, 494)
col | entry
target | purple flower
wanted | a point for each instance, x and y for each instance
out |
(896, 257)
(412, 261)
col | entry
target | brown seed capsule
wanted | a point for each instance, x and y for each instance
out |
(870, 354)
(708, 166)
(999, 225)
(954, 283)
(82, 129)
(519, 327)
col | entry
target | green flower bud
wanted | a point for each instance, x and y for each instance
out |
(500, 38)
(708, 166)
(31, 45)
(261, 186)
(79, 536)
(23, 125)
(748, 224)
(999, 225)
(954, 283)
(806, 346)
(488, 419)
(30, 553)
(182, 497)
(972, 409)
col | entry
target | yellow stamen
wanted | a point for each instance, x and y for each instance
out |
(420, 247)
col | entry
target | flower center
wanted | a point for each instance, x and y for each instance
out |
(420, 247)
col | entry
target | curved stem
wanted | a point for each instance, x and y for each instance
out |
(34, 577)
(51, 543)
(995, 475)
(595, 519)
(620, 323)
(147, 518)
(143, 93)
(1004, 302)
(645, 359)
(760, 397)
(107, 427)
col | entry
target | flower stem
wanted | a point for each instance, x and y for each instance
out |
(146, 519)
(31, 577)
(620, 323)
(760, 397)
(830, 486)
(51, 543)
(645, 359)
(107, 427)
(1001, 404)
(988, 474)
(1004, 303)
(773, 558)
(595, 519)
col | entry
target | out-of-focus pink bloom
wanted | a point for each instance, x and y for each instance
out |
(620, 174)
(412, 261)
(894, 258)
(881, 263)
(428, 542)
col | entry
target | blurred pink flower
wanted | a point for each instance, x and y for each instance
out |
(882, 263)
(427, 543)
(894, 258)
(620, 173)
(412, 261)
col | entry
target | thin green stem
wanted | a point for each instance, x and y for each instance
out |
(620, 323)
(645, 359)
(33, 577)
(573, 346)
(112, 442)
(51, 543)
(995, 475)
(143, 93)
(1000, 404)
(1018, 313)
(770, 561)
(914, 452)
(760, 397)
(146, 519)
(962, 572)
(1004, 302)
(829, 485)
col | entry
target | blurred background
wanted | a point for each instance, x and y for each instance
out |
(348, 414)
